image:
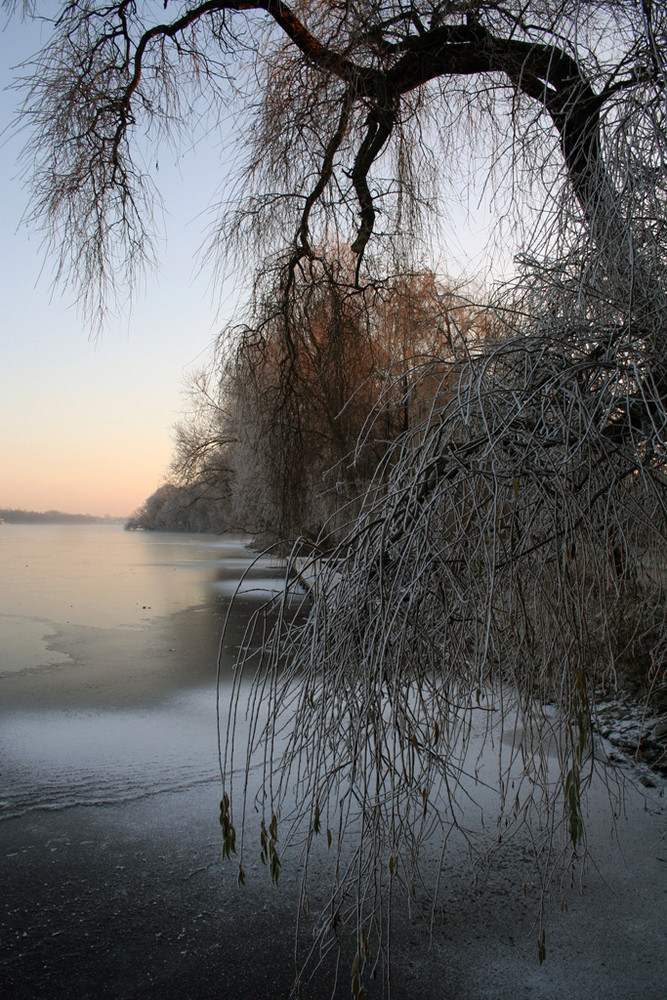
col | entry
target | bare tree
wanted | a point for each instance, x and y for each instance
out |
(511, 530)
(204, 439)
(354, 102)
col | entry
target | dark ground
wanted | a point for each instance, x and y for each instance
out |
(132, 901)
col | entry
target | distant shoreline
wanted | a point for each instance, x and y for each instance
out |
(17, 516)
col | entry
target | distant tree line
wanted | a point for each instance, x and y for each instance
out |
(18, 516)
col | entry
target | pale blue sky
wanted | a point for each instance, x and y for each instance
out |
(86, 425)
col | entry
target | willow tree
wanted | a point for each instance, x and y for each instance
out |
(295, 421)
(511, 543)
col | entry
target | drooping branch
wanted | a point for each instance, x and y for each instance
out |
(543, 72)
(108, 68)
(379, 125)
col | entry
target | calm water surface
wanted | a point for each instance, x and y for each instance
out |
(108, 660)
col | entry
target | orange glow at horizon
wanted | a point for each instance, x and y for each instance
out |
(79, 480)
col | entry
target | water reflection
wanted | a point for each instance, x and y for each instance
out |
(119, 702)
(93, 613)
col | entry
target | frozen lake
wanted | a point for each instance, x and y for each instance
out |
(108, 660)
(112, 880)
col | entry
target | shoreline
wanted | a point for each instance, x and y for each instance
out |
(131, 900)
(113, 884)
(632, 735)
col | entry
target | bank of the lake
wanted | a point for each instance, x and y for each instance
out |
(112, 880)
(132, 901)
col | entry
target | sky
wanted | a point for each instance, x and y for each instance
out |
(86, 423)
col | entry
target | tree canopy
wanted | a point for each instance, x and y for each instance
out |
(348, 110)
(507, 543)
